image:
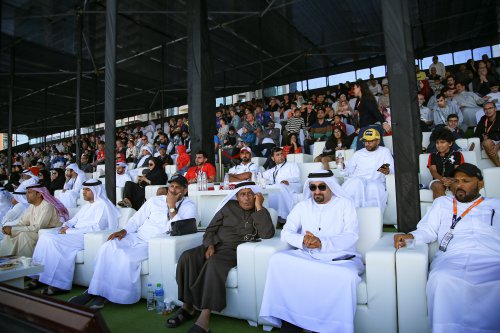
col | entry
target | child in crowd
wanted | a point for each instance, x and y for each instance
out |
(442, 163)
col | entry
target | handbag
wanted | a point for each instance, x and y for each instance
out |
(183, 227)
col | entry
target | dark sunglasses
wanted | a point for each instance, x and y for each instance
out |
(321, 187)
(151, 164)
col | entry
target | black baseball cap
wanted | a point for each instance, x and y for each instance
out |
(469, 169)
(179, 180)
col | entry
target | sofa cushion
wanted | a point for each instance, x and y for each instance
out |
(145, 267)
(361, 293)
(232, 278)
(426, 195)
(79, 257)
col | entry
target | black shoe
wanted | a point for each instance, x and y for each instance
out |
(97, 303)
(287, 327)
(82, 299)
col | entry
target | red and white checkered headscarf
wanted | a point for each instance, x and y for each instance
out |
(58, 205)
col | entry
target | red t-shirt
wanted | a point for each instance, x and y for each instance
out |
(100, 155)
(208, 168)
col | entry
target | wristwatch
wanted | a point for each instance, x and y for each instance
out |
(172, 210)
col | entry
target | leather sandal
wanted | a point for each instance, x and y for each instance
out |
(179, 318)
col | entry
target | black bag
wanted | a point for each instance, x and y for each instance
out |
(183, 227)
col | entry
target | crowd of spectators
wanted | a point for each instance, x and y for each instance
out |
(293, 121)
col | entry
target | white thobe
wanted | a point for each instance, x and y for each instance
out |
(284, 200)
(122, 179)
(70, 197)
(365, 184)
(242, 168)
(118, 263)
(295, 278)
(464, 282)
(57, 252)
(13, 216)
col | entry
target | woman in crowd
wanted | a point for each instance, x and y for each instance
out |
(57, 180)
(337, 141)
(134, 193)
(294, 146)
(367, 108)
(44, 178)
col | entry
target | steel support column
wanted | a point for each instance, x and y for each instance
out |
(201, 97)
(162, 86)
(110, 98)
(11, 106)
(79, 32)
(404, 110)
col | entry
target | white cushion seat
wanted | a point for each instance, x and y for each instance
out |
(79, 257)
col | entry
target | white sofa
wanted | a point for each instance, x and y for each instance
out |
(376, 309)
(241, 280)
(84, 261)
(412, 267)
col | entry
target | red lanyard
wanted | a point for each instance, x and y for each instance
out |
(455, 220)
(487, 129)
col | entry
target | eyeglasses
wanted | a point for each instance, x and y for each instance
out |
(321, 187)
(490, 108)
(309, 103)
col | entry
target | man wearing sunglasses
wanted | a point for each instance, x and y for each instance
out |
(366, 172)
(323, 229)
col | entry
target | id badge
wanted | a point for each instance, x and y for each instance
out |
(446, 239)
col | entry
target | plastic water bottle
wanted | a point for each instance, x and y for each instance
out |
(204, 181)
(199, 182)
(226, 181)
(150, 302)
(340, 163)
(159, 298)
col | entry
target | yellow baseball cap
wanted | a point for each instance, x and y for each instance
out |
(370, 135)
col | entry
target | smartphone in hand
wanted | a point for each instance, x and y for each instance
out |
(384, 166)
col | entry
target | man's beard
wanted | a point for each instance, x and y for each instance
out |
(371, 148)
(319, 198)
(463, 196)
(245, 159)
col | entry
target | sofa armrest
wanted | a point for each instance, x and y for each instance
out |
(380, 262)
(46, 230)
(263, 253)
(411, 271)
(164, 253)
(92, 242)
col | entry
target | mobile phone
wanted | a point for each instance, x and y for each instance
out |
(385, 165)
(344, 257)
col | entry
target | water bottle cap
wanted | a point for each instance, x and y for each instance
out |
(158, 284)
(150, 284)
